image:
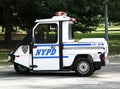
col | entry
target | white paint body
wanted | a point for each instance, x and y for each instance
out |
(50, 60)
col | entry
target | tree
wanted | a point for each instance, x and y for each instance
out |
(7, 17)
(1, 19)
(114, 11)
(23, 13)
(26, 13)
(16, 12)
(88, 13)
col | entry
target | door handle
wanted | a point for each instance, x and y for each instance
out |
(52, 47)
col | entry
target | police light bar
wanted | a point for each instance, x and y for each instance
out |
(73, 20)
(61, 13)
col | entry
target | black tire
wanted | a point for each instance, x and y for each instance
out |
(84, 67)
(21, 69)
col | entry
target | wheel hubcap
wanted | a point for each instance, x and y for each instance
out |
(83, 67)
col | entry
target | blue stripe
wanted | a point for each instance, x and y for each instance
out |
(63, 44)
(77, 44)
(46, 44)
(50, 57)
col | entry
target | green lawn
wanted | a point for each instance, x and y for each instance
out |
(3, 55)
(3, 58)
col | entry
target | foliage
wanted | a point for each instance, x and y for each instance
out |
(88, 13)
(26, 13)
(3, 55)
(114, 11)
(4, 59)
(23, 13)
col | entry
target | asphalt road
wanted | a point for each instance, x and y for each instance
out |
(106, 78)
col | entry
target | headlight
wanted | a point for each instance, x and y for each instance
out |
(9, 58)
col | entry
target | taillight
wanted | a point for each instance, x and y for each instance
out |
(102, 56)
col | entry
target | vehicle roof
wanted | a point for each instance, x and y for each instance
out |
(54, 18)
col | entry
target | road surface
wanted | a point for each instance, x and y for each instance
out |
(106, 78)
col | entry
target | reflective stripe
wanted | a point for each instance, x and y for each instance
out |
(63, 44)
(49, 57)
(46, 44)
(77, 44)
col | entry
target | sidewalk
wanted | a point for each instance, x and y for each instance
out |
(114, 56)
(6, 66)
(6, 60)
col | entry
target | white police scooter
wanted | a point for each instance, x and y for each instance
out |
(49, 46)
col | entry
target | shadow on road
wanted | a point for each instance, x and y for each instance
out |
(12, 73)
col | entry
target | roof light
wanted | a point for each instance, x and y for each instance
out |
(73, 20)
(61, 13)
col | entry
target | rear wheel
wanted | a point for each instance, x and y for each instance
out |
(21, 69)
(84, 67)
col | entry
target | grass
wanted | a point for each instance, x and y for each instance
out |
(3, 55)
(114, 43)
(3, 58)
(3, 63)
(110, 28)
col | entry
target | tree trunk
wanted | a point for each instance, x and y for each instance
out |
(8, 27)
(7, 22)
(8, 34)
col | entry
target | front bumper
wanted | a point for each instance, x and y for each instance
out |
(11, 58)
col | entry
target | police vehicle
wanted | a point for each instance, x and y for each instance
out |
(49, 46)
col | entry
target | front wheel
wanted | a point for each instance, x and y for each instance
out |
(84, 67)
(21, 69)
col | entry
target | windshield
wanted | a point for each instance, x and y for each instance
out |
(46, 33)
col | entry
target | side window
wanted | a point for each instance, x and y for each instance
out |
(46, 33)
(70, 31)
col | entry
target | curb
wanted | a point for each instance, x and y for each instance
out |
(7, 66)
(113, 56)
(4, 60)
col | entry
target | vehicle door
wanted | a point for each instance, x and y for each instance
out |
(45, 47)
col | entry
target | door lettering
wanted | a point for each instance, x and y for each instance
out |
(45, 52)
